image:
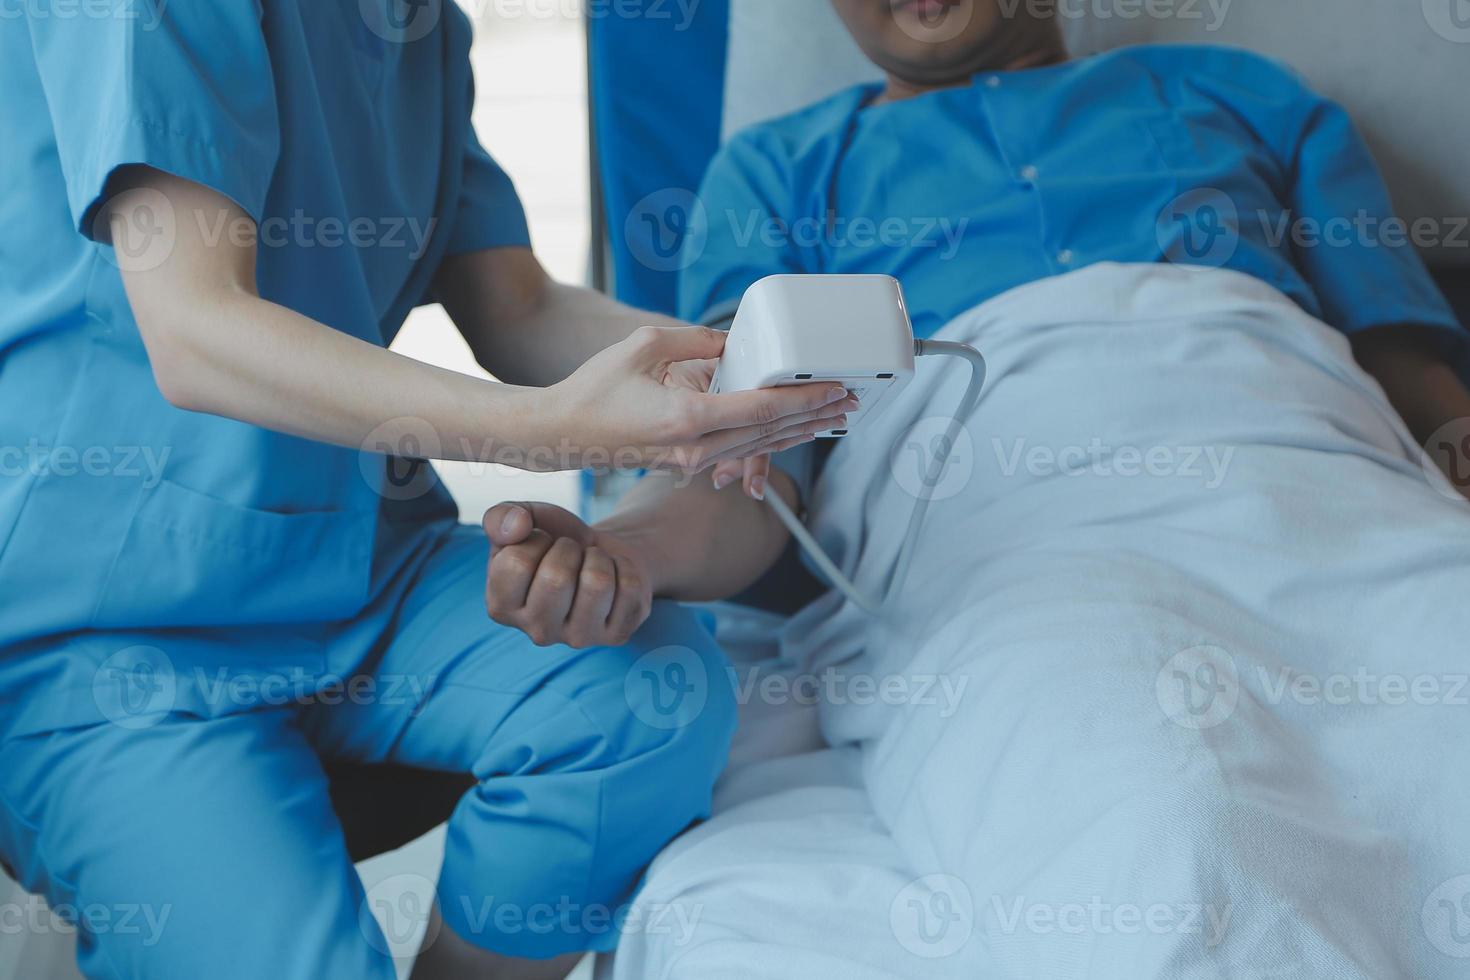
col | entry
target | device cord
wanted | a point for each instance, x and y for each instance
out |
(814, 550)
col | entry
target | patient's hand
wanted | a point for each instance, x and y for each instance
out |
(561, 581)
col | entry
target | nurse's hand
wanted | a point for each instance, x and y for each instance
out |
(635, 404)
(560, 581)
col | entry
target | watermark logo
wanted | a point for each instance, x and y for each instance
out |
(667, 688)
(832, 232)
(1199, 227)
(146, 14)
(1450, 19)
(395, 458)
(1208, 14)
(490, 916)
(933, 917)
(1208, 465)
(934, 459)
(398, 913)
(142, 235)
(934, 21)
(1447, 453)
(1446, 917)
(33, 915)
(135, 688)
(1102, 918)
(1198, 688)
(401, 21)
(834, 686)
(667, 231)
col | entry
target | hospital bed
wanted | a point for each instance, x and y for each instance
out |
(666, 92)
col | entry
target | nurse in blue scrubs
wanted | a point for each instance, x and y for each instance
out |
(216, 567)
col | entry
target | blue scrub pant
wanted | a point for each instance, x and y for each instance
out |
(192, 846)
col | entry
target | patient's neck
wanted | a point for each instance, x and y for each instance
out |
(1048, 51)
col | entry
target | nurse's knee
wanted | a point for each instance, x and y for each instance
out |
(671, 698)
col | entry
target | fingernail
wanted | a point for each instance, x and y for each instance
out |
(758, 488)
(723, 480)
(836, 394)
(851, 405)
(507, 526)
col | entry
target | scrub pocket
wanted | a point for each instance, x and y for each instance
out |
(192, 560)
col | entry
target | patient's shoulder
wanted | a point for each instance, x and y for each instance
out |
(798, 134)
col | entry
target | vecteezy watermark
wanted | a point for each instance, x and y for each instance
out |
(137, 687)
(394, 458)
(401, 21)
(1450, 19)
(142, 463)
(142, 230)
(835, 686)
(669, 230)
(1204, 227)
(1446, 459)
(933, 917)
(32, 915)
(1363, 230)
(1363, 687)
(1206, 464)
(396, 915)
(934, 459)
(833, 231)
(146, 14)
(565, 916)
(1097, 917)
(1446, 917)
(142, 226)
(1199, 227)
(300, 230)
(1198, 688)
(667, 688)
(680, 13)
(1210, 14)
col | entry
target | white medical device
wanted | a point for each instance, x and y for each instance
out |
(853, 330)
(802, 329)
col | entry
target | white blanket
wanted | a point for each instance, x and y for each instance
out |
(1177, 687)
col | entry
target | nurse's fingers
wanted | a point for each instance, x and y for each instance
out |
(727, 439)
(633, 603)
(512, 570)
(767, 407)
(757, 472)
(555, 587)
(769, 444)
(597, 587)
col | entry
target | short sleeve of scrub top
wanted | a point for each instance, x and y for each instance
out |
(489, 213)
(194, 96)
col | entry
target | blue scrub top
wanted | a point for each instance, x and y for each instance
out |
(1188, 154)
(345, 134)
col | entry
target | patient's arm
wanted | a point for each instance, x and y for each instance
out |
(1419, 384)
(561, 581)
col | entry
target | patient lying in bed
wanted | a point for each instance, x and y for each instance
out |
(1073, 772)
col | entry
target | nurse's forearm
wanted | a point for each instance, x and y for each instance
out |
(270, 366)
(525, 328)
(701, 544)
